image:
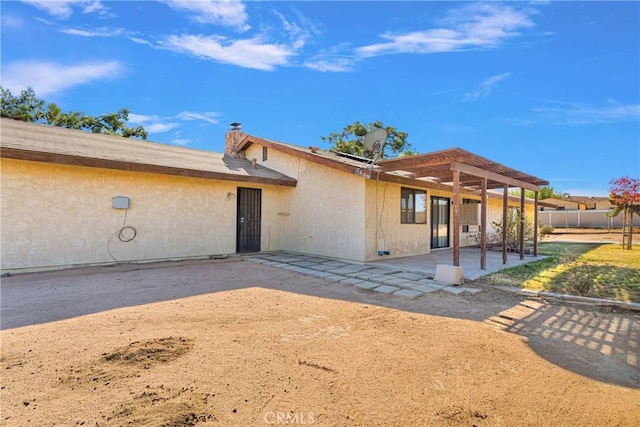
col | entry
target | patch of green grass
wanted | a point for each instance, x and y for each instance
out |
(558, 249)
(610, 271)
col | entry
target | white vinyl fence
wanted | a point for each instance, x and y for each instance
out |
(582, 219)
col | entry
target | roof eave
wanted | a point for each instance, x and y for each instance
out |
(66, 159)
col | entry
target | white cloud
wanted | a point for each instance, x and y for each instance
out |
(248, 53)
(297, 34)
(582, 114)
(95, 32)
(274, 46)
(332, 60)
(48, 77)
(486, 87)
(330, 65)
(152, 124)
(155, 124)
(107, 32)
(160, 127)
(475, 26)
(140, 41)
(230, 13)
(63, 9)
(178, 139)
(209, 117)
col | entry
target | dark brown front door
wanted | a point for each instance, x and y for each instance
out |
(249, 219)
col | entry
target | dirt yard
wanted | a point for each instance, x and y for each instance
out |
(235, 343)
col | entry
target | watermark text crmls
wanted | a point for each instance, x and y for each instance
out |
(289, 418)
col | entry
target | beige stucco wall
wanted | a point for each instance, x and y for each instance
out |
(401, 240)
(58, 215)
(494, 210)
(346, 216)
(324, 215)
(384, 230)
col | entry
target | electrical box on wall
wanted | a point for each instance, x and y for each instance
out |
(120, 202)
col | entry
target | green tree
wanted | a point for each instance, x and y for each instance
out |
(350, 139)
(544, 193)
(115, 124)
(407, 153)
(548, 192)
(27, 107)
(55, 117)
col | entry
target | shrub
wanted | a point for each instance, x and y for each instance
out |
(545, 231)
(513, 231)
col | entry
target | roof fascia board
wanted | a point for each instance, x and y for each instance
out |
(38, 156)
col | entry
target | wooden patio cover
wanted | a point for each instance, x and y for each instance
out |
(461, 168)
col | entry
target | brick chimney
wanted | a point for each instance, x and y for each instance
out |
(232, 139)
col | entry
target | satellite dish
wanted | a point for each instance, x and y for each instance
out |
(374, 142)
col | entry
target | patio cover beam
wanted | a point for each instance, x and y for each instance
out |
(483, 173)
(424, 160)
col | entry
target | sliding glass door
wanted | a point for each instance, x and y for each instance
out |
(439, 222)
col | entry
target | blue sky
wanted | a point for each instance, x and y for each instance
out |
(549, 88)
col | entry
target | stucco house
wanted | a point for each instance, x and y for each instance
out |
(72, 198)
(577, 203)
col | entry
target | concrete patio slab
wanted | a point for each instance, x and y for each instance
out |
(366, 285)
(408, 293)
(453, 290)
(381, 271)
(303, 263)
(335, 263)
(322, 267)
(426, 289)
(409, 275)
(469, 261)
(365, 275)
(285, 259)
(404, 278)
(348, 269)
(322, 274)
(351, 280)
(395, 281)
(386, 289)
